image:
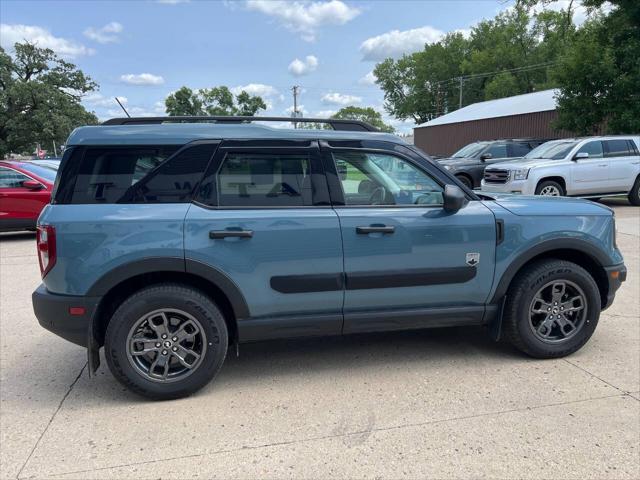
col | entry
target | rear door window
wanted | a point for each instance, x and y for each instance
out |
(617, 148)
(142, 174)
(264, 180)
(519, 149)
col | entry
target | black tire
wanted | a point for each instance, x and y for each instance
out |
(520, 300)
(634, 194)
(466, 181)
(182, 298)
(550, 184)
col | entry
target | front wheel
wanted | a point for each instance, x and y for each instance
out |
(166, 341)
(549, 188)
(552, 309)
(466, 181)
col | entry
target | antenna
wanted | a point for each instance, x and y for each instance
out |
(122, 107)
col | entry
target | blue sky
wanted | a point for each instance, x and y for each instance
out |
(142, 50)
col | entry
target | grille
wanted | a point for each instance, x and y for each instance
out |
(496, 176)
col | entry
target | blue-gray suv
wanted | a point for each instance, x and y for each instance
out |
(168, 240)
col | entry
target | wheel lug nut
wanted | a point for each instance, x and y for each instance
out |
(175, 339)
(158, 345)
(164, 352)
(164, 335)
(175, 349)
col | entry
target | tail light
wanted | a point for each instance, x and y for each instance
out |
(46, 241)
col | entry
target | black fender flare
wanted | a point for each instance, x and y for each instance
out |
(173, 264)
(582, 246)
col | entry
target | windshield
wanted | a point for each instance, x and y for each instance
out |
(471, 150)
(552, 150)
(46, 172)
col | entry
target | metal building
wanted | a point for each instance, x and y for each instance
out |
(523, 116)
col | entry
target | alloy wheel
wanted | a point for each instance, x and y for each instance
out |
(166, 345)
(558, 311)
(550, 191)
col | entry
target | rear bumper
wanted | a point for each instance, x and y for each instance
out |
(615, 276)
(53, 313)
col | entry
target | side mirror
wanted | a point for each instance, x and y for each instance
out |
(580, 155)
(454, 198)
(32, 185)
(485, 156)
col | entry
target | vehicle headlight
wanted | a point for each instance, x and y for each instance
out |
(521, 174)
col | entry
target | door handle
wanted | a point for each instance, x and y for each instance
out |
(375, 229)
(217, 234)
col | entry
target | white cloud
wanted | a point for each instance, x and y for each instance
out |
(107, 34)
(269, 94)
(16, 33)
(325, 113)
(142, 79)
(396, 43)
(301, 110)
(305, 17)
(172, 2)
(99, 100)
(368, 79)
(335, 98)
(303, 67)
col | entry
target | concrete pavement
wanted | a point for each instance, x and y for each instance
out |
(438, 403)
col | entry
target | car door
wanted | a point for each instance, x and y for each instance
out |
(263, 221)
(17, 203)
(590, 174)
(623, 164)
(408, 263)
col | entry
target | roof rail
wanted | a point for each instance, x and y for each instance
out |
(336, 124)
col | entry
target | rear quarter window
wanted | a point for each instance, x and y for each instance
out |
(140, 174)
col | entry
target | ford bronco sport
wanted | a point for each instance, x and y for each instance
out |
(166, 243)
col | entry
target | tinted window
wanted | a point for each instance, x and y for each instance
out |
(140, 174)
(498, 150)
(556, 150)
(617, 148)
(43, 172)
(11, 179)
(632, 147)
(520, 149)
(380, 179)
(263, 180)
(471, 150)
(594, 149)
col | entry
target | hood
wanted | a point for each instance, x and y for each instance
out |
(548, 206)
(526, 163)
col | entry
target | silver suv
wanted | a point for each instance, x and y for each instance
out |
(590, 167)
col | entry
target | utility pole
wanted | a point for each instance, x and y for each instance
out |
(460, 101)
(295, 90)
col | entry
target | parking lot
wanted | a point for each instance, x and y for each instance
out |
(439, 403)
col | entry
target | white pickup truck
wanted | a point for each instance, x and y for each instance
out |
(591, 167)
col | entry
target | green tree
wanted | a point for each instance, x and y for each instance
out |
(364, 114)
(216, 101)
(183, 102)
(599, 74)
(509, 54)
(39, 99)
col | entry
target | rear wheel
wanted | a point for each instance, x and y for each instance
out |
(166, 341)
(549, 188)
(552, 309)
(634, 194)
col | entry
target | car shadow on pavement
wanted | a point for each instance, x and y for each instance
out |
(312, 358)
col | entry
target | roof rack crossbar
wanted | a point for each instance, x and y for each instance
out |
(336, 124)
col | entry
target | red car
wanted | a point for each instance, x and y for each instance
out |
(25, 188)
